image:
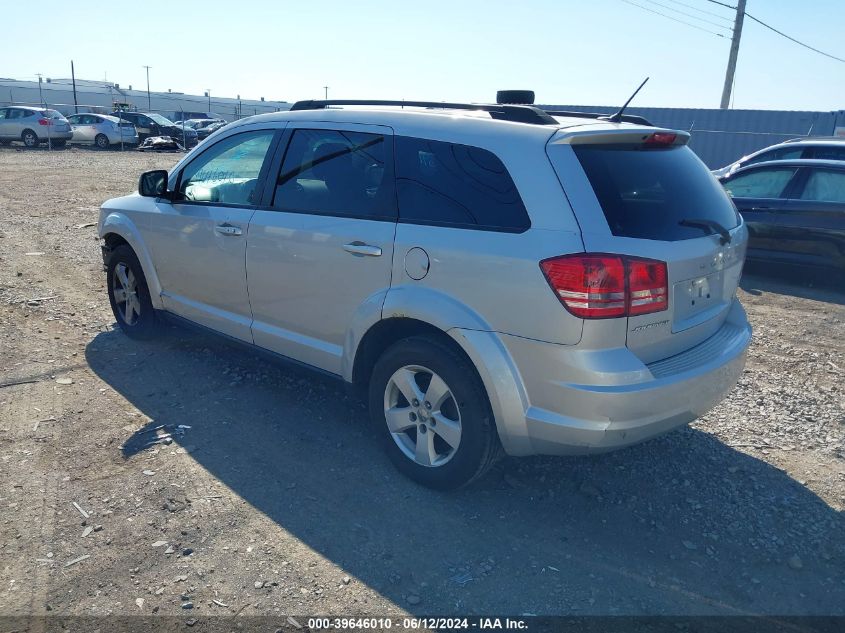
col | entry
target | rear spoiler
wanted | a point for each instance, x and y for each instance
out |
(615, 136)
(627, 118)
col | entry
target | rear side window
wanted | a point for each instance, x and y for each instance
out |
(461, 185)
(647, 193)
(760, 183)
(825, 186)
(337, 172)
(829, 153)
(782, 153)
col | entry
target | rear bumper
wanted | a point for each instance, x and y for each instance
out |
(54, 136)
(577, 402)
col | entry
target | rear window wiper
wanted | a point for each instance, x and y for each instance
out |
(711, 226)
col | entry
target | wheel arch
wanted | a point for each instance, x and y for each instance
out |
(116, 230)
(482, 350)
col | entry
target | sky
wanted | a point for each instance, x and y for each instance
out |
(574, 52)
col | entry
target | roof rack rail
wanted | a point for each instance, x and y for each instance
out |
(516, 113)
(627, 118)
(815, 138)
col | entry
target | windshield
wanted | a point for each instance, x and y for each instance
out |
(647, 193)
(159, 119)
(52, 114)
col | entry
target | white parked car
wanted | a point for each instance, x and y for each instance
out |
(102, 130)
(489, 277)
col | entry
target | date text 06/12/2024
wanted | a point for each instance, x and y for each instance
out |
(417, 623)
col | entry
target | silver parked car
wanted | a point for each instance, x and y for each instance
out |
(490, 278)
(33, 126)
(102, 130)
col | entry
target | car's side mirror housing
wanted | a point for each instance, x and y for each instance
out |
(153, 184)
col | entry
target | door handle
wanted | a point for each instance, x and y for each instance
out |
(228, 229)
(359, 248)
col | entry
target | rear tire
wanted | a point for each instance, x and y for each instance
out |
(30, 138)
(60, 143)
(443, 434)
(129, 295)
(102, 141)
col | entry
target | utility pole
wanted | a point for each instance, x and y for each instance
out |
(729, 73)
(40, 96)
(73, 79)
(149, 101)
(326, 88)
(208, 94)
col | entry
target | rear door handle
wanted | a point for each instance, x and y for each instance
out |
(359, 248)
(228, 229)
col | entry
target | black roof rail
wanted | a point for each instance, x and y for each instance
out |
(516, 113)
(627, 118)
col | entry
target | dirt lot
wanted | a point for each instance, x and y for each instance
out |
(273, 498)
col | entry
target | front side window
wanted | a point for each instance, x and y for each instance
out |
(3, 113)
(447, 183)
(227, 172)
(761, 183)
(337, 172)
(825, 186)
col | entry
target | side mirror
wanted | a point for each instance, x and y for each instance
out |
(153, 184)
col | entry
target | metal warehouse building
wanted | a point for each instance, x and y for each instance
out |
(102, 96)
(720, 137)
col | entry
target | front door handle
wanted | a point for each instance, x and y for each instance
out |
(228, 229)
(359, 248)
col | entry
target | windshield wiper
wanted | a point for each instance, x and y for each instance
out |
(711, 226)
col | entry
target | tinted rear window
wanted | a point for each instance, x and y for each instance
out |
(459, 185)
(646, 193)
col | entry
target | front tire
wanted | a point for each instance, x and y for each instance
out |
(129, 295)
(432, 413)
(102, 141)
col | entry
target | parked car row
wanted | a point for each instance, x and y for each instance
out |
(792, 197)
(34, 126)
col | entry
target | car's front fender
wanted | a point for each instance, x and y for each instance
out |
(113, 222)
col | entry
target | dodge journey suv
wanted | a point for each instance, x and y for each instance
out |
(489, 277)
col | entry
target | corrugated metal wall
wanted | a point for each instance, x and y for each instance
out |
(720, 137)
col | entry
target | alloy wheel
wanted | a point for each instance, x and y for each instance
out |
(125, 290)
(422, 415)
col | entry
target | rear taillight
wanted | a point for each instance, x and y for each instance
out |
(43, 121)
(600, 286)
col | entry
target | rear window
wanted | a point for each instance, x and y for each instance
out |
(647, 193)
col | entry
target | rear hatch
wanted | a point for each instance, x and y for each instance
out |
(641, 192)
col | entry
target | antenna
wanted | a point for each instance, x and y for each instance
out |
(616, 118)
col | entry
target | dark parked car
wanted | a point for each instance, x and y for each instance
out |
(818, 147)
(208, 130)
(153, 124)
(794, 209)
(201, 126)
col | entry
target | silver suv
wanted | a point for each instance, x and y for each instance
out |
(34, 126)
(490, 278)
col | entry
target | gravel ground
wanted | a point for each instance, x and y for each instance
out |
(269, 496)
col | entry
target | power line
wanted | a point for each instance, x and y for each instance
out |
(771, 28)
(690, 15)
(722, 4)
(713, 13)
(669, 17)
